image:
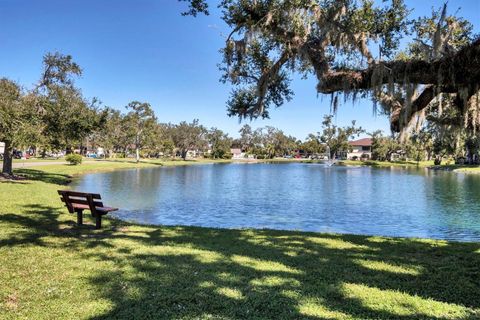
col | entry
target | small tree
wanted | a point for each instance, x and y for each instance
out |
(336, 138)
(313, 145)
(383, 147)
(110, 134)
(141, 121)
(220, 143)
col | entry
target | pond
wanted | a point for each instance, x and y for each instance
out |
(308, 197)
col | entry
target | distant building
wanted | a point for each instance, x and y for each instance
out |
(2, 147)
(361, 149)
(237, 153)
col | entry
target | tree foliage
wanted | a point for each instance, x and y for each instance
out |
(188, 136)
(220, 143)
(383, 147)
(68, 118)
(17, 120)
(336, 138)
(140, 125)
(313, 145)
(270, 40)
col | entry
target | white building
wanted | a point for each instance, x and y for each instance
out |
(237, 153)
(2, 147)
(361, 149)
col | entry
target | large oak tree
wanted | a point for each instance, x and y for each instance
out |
(352, 48)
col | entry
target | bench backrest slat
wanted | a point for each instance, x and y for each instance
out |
(75, 197)
(79, 194)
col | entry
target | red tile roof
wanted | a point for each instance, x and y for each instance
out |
(365, 142)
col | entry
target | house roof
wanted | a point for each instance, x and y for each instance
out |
(365, 142)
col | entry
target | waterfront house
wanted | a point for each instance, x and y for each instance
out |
(360, 149)
(237, 153)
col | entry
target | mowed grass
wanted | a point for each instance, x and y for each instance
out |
(52, 269)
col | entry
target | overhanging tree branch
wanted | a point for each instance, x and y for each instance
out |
(459, 70)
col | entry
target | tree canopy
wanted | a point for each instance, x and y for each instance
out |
(352, 48)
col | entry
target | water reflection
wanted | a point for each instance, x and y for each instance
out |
(311, 197)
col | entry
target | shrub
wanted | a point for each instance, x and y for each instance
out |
(74, 159)
(227, 155)
(260, 156)
(437, 161)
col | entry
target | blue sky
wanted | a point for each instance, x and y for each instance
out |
(145, 50)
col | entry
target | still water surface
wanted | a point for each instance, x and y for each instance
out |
(309, 197)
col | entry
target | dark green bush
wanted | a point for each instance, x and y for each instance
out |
(74, 159)
(227, 155)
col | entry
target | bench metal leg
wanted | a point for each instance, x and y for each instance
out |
(79, 217)
(98, 221)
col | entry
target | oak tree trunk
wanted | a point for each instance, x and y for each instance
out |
(7, 158)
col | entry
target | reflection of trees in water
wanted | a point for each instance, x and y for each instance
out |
(454, 201)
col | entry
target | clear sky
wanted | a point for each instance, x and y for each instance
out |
(145, 50)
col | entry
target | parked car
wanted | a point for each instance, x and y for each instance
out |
(17, 154)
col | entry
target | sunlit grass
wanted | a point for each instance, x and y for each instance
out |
(383, 266)
(401, 304)
(52, 269)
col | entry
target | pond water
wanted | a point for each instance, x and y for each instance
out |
(309, 197)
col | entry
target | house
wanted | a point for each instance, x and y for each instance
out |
(361, 149)
(237, 153)
(2, 147)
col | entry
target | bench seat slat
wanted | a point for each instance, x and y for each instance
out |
(87, 207)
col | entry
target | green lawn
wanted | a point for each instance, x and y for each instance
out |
(52, 269)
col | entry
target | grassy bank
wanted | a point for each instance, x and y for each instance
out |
(461, 168)
(52, 269)
(375, 163)
(421, 164)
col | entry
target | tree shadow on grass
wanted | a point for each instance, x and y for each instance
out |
(38, 222)
(38, 175)
(200, 273)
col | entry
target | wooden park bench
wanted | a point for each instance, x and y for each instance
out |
(79, 201)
